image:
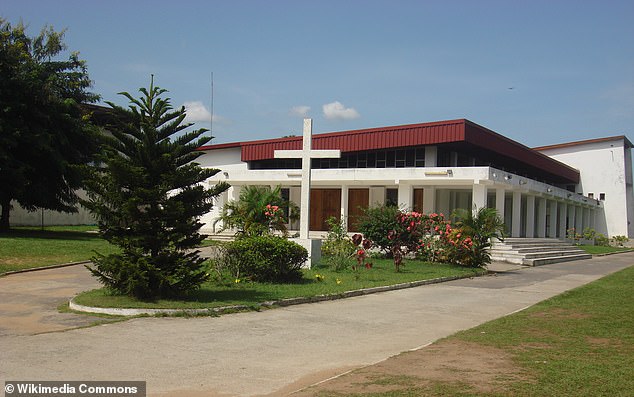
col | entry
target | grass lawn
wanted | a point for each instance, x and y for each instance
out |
(579, 343)
(30, 246)
(599, 249)
(25, 248)
(215, 294)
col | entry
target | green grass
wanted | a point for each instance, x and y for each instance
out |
(215, 294)
(579, 343)
(600, 249)
(26, 248)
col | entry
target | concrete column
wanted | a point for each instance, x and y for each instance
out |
(234, 192)
(500, 194)
(586, 217)
(295, 197)
(571, 217)
(405, 192)
(516, 224)
(479, 196)
(563, 217)
(443, 203)
(377, 195)
(431, 156)
(530, 216)
(552, 227)
(541, 217)
(344, 205)
(579, 219)
(429, 196)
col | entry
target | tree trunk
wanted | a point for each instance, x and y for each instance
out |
(4, 219)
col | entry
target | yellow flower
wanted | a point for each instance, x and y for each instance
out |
(338, 281)
(319, 277)
(237, 281)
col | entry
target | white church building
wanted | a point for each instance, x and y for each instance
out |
(430, 167)
(438, 167)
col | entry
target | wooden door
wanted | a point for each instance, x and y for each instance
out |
(358, 200)
(324, 203)
(418, 200)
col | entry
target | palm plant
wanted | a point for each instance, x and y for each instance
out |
(252, 213)
(481, 225)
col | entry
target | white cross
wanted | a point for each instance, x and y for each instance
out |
(306, 154)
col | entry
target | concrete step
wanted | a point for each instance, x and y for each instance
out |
(557, 259)
(536, 251)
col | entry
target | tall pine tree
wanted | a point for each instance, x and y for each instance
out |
(148, 196)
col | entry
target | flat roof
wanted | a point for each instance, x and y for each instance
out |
(586, 142)
(460, 133)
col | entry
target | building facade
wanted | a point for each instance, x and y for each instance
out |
(428, 167)
(605, 166)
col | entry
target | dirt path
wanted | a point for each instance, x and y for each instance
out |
(29, 301)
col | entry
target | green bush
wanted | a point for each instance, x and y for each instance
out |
(601, 240)
(619, 241)
(266, 258)
(377, 222)
(337, 249)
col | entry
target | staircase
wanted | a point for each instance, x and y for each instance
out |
(536, 251)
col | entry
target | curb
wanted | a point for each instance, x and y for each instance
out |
(268, 304)
(614, 253)
(36, 269)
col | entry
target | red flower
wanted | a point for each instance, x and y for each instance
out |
(367, 244)
(357, 238)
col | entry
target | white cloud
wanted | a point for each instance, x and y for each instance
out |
(197, 112)
(300, 111)
(336, 111)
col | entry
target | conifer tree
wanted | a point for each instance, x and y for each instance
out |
(147, 194)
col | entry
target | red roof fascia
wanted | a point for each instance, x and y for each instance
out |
(365, 139)
(487, 139)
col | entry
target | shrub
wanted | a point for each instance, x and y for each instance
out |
(259, 210)
(619, 241)
(589, 233)
(337, 249)
(266, 258)
(601, 240)
(376, 223)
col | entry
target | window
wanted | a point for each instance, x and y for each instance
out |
(391, 196)
(591, 195)
(285, 193)
(602, 196)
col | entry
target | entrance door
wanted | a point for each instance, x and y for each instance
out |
(324, 203)
(358, 200)
(418, 200)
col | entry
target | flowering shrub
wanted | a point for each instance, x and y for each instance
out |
(405, 236)
(435, 239)
(361, 252)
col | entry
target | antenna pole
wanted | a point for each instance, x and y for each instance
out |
(211, 120)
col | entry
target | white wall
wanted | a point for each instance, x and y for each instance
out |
(605, 167)
(21, 217)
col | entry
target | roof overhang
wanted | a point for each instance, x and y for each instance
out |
(461, 133)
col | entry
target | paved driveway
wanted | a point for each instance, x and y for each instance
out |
(278, 351)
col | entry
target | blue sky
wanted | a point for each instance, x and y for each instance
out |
(539, 72)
